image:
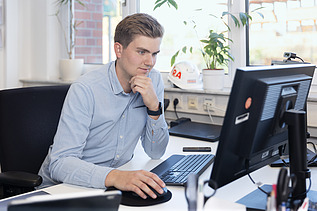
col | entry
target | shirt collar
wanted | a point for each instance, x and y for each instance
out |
(114, 81)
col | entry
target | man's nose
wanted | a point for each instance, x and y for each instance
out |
(150, 60)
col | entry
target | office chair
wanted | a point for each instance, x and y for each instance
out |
(28, 122)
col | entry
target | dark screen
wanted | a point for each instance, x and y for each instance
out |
(253, 132)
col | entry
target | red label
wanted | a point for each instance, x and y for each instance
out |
(176, 74)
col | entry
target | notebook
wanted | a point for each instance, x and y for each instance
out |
(195, 130)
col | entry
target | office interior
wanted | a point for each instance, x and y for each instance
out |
(32, 44)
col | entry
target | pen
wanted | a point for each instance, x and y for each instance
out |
(272, 201)
(268, 203)
(196, 149)
(141, 106)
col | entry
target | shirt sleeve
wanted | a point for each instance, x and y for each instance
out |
(66, 164)
(156, 136)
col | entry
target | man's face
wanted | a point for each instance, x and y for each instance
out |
(139, 57)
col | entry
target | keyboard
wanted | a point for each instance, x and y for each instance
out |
(175, 169)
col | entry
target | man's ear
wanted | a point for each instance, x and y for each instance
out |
(118, 49)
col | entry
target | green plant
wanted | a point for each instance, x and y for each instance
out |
(215, 48)
(72, 25)
(159, 3)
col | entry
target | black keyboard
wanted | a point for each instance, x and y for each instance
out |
(175, 169)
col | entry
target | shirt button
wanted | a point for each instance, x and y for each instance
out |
(153, 124)
(123, 116)
(118, 156)
(121, 137)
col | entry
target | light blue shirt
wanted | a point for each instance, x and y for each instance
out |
(99, 128)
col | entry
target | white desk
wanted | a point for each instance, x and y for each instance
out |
(231, 192)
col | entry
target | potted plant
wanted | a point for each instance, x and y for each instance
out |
(70, 68)
(215, 51)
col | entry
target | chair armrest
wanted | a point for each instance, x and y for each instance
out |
(20, 179)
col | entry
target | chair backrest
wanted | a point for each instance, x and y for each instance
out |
(28, 122)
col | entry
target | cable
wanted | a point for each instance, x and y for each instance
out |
(285, 163)
(300, 59)
(214, 185)
(175, 102)
(211, 119)
(313, 145)
(312, 160)
(308, 189)
(257, 184)
(210, 108)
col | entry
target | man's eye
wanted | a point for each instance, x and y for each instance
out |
(141, 52)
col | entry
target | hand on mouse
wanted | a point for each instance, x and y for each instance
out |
(136, 181)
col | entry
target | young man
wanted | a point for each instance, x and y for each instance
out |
(107, 111)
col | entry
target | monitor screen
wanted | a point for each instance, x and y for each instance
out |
(254, 132)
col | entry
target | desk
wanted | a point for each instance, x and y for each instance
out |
(231, 192)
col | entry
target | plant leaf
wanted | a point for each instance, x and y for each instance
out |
(159, 4)
(173, 3)
(244, 18)
(81, 3)
(236, 21)
(184, 49)
(174, 58)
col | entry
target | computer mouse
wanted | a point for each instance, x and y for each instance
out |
(165, 191)
(159, 194)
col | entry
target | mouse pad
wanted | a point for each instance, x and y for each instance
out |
(129, 199)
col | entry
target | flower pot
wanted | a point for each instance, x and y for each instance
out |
(70, 69)
(213, 79)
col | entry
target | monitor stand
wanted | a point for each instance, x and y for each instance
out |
(296, 121)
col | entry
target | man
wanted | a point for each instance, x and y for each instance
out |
(107, 111)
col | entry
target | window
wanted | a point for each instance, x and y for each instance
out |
(288, 26)
(177, 34)
(94, 36)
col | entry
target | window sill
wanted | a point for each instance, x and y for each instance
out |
(41, 82)
(225, 91)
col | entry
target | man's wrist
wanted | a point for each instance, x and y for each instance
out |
(157, 112)
(109, 179)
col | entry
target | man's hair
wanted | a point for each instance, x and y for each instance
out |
(137, 24)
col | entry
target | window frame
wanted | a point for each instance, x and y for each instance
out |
(240, 36)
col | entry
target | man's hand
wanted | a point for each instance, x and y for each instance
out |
(144, 85)
(136, 181)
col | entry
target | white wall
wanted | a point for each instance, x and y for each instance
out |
(9, 52)
(33, 42)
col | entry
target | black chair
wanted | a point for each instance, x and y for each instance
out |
(28, 122)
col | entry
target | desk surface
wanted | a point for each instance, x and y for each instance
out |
(231, 192)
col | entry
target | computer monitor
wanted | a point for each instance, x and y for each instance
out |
(256, 125)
